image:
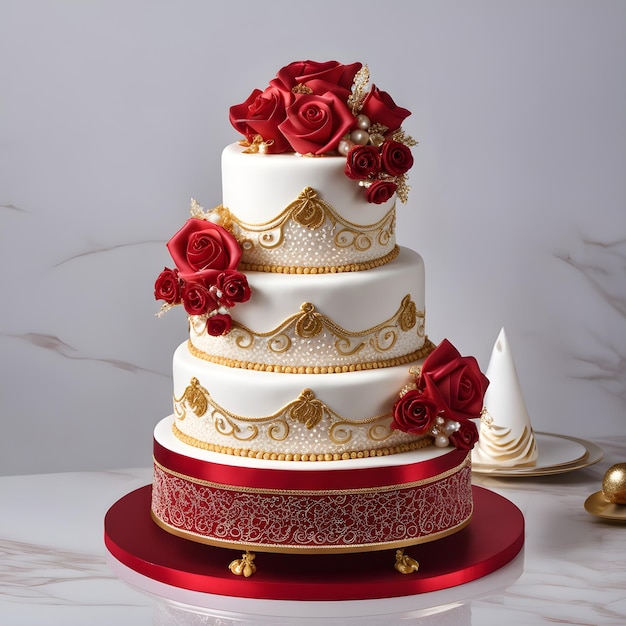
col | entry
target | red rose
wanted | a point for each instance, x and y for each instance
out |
(456, 382)
(197, 299)
(233, 287)
(201, 250)
(381, 109)
(318, 77)
(261, 114)
(167, 286)
(396, 158)
(316, 123)
(362, 162)
(414, 413)
(465, 437)
(380, 191)
(238, 115)
(218, 324)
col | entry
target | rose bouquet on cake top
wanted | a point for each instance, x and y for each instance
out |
(205, 279)
(446, 395)
(328, 108)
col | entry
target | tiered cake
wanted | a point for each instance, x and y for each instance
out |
(311, 412)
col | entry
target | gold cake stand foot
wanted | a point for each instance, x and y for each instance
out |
(244, 566)
(405, 564)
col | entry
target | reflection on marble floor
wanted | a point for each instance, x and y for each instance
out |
(452, 615)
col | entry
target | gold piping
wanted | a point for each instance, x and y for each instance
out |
(422, 352)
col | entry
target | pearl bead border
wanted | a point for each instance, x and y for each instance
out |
(425, 442)
(421, 353)
(325, 269)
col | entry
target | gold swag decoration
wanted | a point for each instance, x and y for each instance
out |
(305, 411)
(196, 397)
(309, 323)
(309, 209)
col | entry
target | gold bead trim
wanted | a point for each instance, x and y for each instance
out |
(327, 269)
(423, 352)
(319, 457)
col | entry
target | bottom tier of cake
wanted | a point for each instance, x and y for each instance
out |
(356, 505)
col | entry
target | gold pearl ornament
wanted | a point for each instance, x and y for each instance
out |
(614, 484)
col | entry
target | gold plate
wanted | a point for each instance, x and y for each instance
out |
(598, 505)
(593, 454)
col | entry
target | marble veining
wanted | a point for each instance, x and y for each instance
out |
(58, 346)
(106, 249)
(603, 265)
(37, 573)
(11, 207)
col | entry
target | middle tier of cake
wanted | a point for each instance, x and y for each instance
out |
(289, 416)
(321, 323)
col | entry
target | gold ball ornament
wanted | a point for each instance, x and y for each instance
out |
(614, 484)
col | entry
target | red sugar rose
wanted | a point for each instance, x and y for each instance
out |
(260, 115)
(465, 437)
(396, 158)
(233, 287)
(218, 324)
(201, 249)
(318, 77)
(381, 109)
(456, 382)
(414, 412)
(380, 191)
(316, 123)
(167, 286)
(197, 299)
(362, 162)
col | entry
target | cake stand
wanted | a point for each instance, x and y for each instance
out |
(147, 557)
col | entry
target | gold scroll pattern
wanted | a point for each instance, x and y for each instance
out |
(286, 348)
(303, 429)
(310, 236)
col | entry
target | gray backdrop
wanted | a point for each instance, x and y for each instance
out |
(113, 115)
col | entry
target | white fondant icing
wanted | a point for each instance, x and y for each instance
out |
(292, 211)
(257, 187)
(164, 435)
(506, 435)
(247, 408)
(357, 302)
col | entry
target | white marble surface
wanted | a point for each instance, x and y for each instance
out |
(53, 570)
(113, 115)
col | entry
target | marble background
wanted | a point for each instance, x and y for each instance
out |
(113, 115)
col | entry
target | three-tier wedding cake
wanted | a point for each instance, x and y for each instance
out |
(312, 414)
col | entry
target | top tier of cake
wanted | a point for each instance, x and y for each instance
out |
(301, 214)
(313, 184)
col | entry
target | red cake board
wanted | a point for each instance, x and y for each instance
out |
(492, 539)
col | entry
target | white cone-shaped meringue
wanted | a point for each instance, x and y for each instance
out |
(506, 435)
